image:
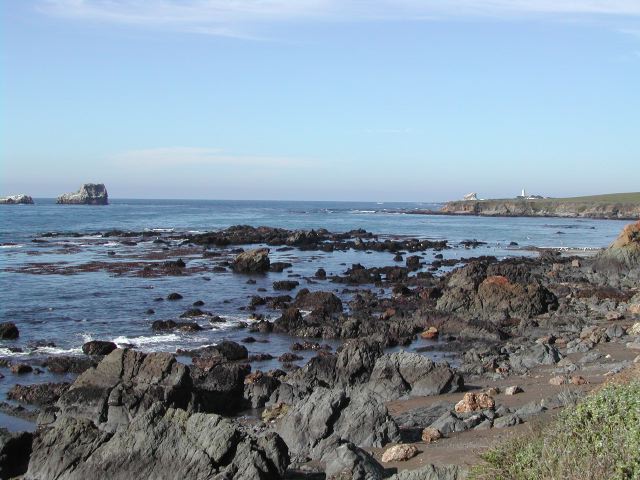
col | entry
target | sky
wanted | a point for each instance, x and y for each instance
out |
(403, 100)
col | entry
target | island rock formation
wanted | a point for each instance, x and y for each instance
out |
(16, 199)
(89, 194)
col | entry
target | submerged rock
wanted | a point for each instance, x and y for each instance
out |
(89, 194)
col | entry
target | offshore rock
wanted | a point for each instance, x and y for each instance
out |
(16, 200)
(252, 261)
(89, 194)
(159, 443)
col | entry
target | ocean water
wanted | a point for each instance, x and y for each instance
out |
(68, 310)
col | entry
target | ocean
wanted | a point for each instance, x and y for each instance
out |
(56, 313)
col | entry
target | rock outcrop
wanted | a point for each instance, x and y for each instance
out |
(9, 331)
(162, 443)
(89, 194)
(544, 208)
(16, 200)
(624, 252)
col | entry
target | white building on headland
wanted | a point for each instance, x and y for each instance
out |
(470, 196)
(524, 196)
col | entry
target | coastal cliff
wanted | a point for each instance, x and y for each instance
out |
(89, 194)
(615, 206)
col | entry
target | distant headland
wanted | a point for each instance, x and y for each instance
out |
(622, 206)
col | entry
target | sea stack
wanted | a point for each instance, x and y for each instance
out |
(16, 200)
(89, 194)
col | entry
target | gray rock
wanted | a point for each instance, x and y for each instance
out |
(530, 409)
(448, 423)
(538, 354)
(348, 462)
(125, 383)
(401, 373)
(326, 417)
(89, 194)
(507, 421)
(433, 472)
(159, 443)
(423, 416)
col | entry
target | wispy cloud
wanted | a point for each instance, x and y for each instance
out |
(194, 156)
(242, 18)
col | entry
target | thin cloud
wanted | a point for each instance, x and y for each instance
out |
(243, 18)
(194, 156)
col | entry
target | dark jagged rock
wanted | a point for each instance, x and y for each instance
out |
(98, 347)
(15, 449)
(9, 331)
(252, 261)
(220, 389)
(325, 301)
(68, 364)
(158, 443)
(89, 194)
(38, 394)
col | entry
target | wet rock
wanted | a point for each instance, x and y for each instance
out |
(252, 261)
(321, 274)
(174, 296)
(289, 357)
(285, 285)
(98, 347)
(195, 312)
(158, 443)
(89, 194)
(279, 267)
(68, 364)
(399, 453)
(8, 331)
(325, 301)
(20, 368)
(38, 394)
(15, 449)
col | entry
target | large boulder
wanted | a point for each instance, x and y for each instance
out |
(125, 383)
(219, 389)
(325, 301)
(98, 347)
(89, 194)
(624, 252)
(311, 428)
(403, 373)
(349, 462)
(159, 443)
(252, 261)
(20, 199)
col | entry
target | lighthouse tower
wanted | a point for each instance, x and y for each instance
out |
(524, 193)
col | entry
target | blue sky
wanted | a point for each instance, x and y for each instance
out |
(320, 99)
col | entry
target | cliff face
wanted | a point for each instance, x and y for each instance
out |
(16, 199)
(543, 208)
(89, 194)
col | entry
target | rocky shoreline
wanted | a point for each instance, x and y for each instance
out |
(526, 336)
(541, 208)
